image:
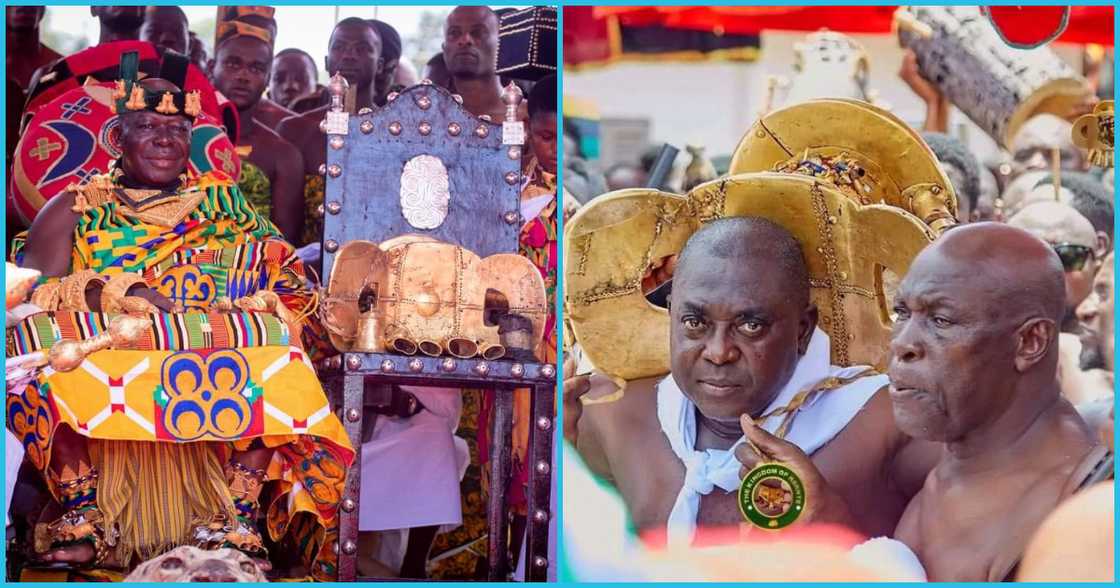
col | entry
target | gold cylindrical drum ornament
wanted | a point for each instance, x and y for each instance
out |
(995, 85)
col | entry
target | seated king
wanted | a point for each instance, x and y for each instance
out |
(174, 403)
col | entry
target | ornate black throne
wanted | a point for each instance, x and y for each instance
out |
(424, 166)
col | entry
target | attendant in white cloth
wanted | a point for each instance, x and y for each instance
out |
(411, 469)
(744, 343)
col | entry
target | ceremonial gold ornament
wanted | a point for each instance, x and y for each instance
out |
(1096, 133)
(136, 99)
(47, 296)
(119, 91)
(427, 296)
(193, 104)
(114, 299)
(864, 151)
(124, 330)
(167, 104)
(851, 250)
(72, 293)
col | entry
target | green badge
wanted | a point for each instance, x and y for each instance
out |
(771, 496)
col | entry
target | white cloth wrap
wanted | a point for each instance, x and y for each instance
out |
(411, 468)
(817, 422)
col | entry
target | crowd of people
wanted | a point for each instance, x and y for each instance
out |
(211, 252)
(990, 426)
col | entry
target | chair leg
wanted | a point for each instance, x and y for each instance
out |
(540, 481)
(500, 450)
(352, 400)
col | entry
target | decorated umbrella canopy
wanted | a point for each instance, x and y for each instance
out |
(596, 35)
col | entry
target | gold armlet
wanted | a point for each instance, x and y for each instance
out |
(115, 291)
(47, 296)
(73, 290)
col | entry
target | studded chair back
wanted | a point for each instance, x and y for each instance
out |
(421, 165)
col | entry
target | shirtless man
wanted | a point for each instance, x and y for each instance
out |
(1096, 312)
(470, 50)
(167, 27)
(294, 75)
(1093, 382)
(26, 52)
(258, 22)
(737, 343)
(973, 360)
(240, 71)
(354, 50)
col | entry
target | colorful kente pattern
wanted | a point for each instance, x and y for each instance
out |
(169, 331)
(195, 377)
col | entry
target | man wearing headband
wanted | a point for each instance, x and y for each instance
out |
(354, 51)
(177, 386)
(271, 177)
(256, 22)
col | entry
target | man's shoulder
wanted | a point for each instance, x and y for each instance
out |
(299, 123)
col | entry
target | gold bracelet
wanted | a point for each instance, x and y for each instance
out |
(73, 291)
(116, 290)
(46, 296)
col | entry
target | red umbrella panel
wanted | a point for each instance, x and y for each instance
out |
(604, 34)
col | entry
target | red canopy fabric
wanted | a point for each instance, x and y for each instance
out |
(588, 30)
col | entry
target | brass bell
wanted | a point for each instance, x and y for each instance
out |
(369, 338)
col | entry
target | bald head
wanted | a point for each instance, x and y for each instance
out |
(1019, 272)
(976, 331)
(748, 238)
(1055, 222)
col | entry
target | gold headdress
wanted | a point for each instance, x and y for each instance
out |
(855, 186)
(866, 152)
(850, 250)
(130, 95)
